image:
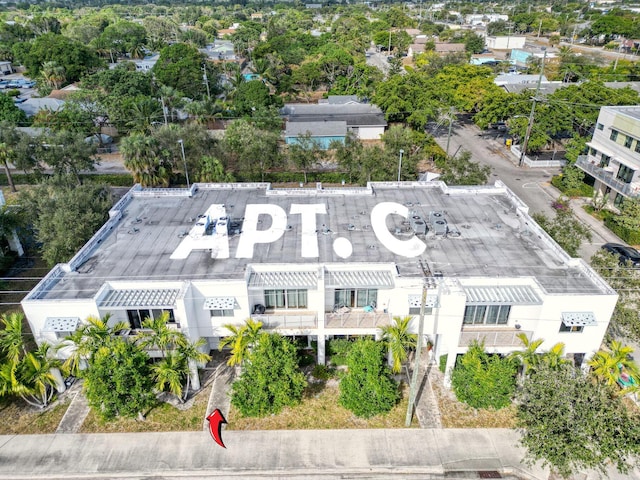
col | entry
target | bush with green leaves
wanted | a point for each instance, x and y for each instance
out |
(367, 388)
(271, 379)
(482, 380)
(572, 423)
(118, 381)
(338, 349)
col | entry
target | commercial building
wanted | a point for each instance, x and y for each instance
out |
(322, 263)
(613, 159)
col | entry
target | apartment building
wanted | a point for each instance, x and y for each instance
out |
(323, 263)
(613, 159)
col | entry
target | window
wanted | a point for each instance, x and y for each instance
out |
(614, 135)
(136, 317)
(221, 313)
(628, 141)
(282, 298)
(604, 160)
(600, 126)
(358, 298)
(575, 328)
(617, 201)
(625, 174)
(416, 311)
(637, 149)
(486, 314)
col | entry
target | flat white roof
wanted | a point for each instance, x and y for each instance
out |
(285, 238)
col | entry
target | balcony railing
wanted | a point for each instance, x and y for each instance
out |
(628, 189)
(357, 319)
(286, 320)
(499, 337)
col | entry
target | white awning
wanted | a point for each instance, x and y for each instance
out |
(359, 279)
(152, 297)
(306, 279)
(61, 324)
(219, 303)
(578, 319)
(501, 295)
(430, 302)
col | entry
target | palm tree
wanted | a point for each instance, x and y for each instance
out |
(12, 338)
(169, 372)
(53, 74)
(608, 366)
(555, 356)
(399, 341)
(159, 335)
(241, 340)
(36, 380)
(87, 340)
(191, 356)
(529, 357)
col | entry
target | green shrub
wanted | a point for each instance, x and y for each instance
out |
(442, 363)
(579, 190)
(629, 236)
(367, 388)
(338, 350)
(484, 381)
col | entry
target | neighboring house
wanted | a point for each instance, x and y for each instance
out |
(63, 93)
(504, 42)
(322, 133)
(517, 79)
(6, 68)
(323, 263)
(366, 121)
(415, 49)
(447, 48)
(484, 19)
(220, 50)
(614, 153)
(521, 58)
(32, 105)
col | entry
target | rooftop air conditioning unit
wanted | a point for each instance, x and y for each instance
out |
(418, 225)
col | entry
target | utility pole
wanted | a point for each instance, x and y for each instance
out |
(573, 35)
(164, 110)
(206, 80)
(449, 136)
(615, 64)
(533, 111)
(428, 282)
(540, 28)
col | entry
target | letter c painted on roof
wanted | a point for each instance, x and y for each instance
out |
(405, 248)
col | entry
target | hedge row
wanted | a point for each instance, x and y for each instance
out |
(584, 190)
(632, 237)
(112, 179)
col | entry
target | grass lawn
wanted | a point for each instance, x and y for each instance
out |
(20, 418)
(163, 418)
(320, 410)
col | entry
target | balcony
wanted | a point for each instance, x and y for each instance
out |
(630, 190)
(275, 320)
(498, 337)
(357, 319)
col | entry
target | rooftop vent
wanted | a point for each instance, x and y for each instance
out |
(438, 223)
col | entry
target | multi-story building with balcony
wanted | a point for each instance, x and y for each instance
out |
(323, 263)
(613, 159)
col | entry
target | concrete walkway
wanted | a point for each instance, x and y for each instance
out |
(76, 412)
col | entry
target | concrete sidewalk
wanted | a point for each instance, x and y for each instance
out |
(401, 453)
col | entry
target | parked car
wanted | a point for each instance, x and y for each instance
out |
(500, 126)
(14, 84)
(4, 83)
(624, 253)
(29, 84)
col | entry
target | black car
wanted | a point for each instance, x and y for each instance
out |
(624, 253)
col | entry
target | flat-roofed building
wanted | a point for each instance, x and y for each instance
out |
(322, 263)
(613, 159)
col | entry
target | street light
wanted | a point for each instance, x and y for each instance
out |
(184, 160)
(400, 164)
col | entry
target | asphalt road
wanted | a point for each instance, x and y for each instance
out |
(487, 148)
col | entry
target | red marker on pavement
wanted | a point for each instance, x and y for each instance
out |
(216, 419)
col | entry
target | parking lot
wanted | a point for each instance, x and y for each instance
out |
(17, 81)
